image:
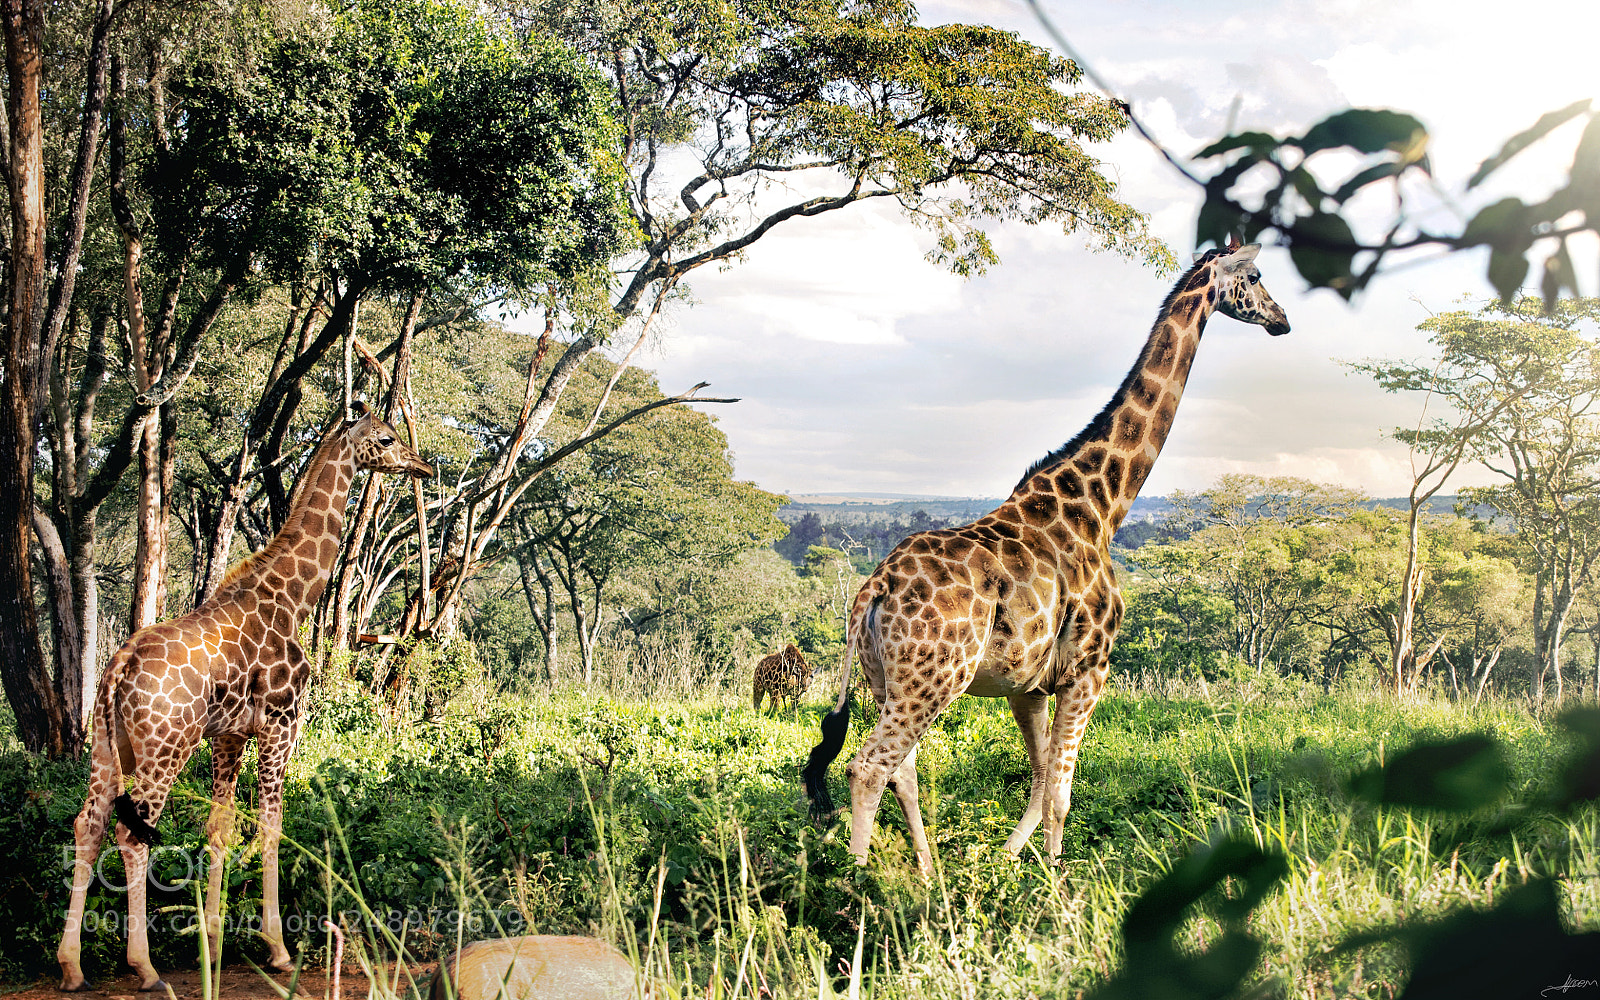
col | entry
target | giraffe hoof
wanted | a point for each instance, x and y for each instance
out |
(159, 984)
(68, 986)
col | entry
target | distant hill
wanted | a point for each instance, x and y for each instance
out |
(868, 525)
(855, 508)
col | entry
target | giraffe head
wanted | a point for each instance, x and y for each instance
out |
(1240, 293)
(379, 448)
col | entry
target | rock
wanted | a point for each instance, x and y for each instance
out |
(536, 967)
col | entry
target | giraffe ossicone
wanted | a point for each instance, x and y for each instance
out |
(1023, 603)
(228, 670)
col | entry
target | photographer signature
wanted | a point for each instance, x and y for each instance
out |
(1570, 984)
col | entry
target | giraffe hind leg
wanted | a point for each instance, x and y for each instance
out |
(1032, 714)
(904, 785)
(157, 764)
(880, 759)
(227, 753)
(88, 831)
(136, 865)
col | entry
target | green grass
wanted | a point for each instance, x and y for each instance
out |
(676, 830)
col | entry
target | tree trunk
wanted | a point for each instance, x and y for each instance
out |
(372, 492)
(150, 556)
(268, 423)
(1487, 664)
(543, 612)
(1403, 652)
(43, 719)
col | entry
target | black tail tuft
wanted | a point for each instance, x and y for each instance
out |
(835, 727)
(128, 816)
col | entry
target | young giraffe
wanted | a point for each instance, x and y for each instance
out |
(228, 670)
(783, 676)
(1023, 603)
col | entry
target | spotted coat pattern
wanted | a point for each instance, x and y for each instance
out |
(229, 670)
(1023, 603)
(783, 676)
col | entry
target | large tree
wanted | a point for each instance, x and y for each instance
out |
(1251, 545)
(1546, 446)
(1515, 387)
(410, 151)
(658, 492)
(735, 118)
(1477, 377)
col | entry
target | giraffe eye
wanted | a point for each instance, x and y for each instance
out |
(386, 440)
(1255, 279)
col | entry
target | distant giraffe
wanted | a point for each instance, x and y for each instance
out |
(785, 676)
(1023, 603)
(228, 670)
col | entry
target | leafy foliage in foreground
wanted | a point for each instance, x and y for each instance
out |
(676, 826)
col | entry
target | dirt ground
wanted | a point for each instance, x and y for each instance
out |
(242, 983)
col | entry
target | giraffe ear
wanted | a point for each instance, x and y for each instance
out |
(1242, 256)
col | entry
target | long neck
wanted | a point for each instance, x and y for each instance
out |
(1108, 462)
(292, 570)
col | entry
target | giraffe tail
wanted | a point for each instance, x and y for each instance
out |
(128, 815)
(835, 727)
(108, 734)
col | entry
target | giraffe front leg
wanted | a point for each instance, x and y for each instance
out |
(275, 747)
(1032, 715)
(88, 830)
(227, 752)
(1074, 704)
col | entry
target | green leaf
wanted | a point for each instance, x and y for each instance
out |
(1155, 965)
(1366, 130)
(1219, 217)
(1507, 270)
(1259, 142)
(1586, 167)
(1516, 948)
(1580, 778)
(1502, 224)
(1322, 248)
(1374, 173)
(1307, 187)
(1558, 274)
(1522, 140)
(1456, 775)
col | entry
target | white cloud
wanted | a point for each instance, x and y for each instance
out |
(866, 369)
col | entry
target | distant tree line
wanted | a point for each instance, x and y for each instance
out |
(1288, 576)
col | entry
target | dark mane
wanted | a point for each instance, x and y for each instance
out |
(1100, 426)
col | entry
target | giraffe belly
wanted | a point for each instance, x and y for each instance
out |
(1024, 645)
(999, 684)
(1002, 680)
(230, 712)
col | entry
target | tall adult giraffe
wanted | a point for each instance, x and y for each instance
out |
(1023, 602)
(228, 670)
